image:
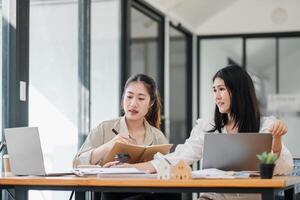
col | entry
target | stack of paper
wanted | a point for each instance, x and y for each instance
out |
(216, 173)
(96, 171)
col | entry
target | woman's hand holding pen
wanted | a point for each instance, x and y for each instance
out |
(109, 145)
(99, 153)
(117, 138)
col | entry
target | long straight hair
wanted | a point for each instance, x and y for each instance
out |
(244, 108)
(153, 115)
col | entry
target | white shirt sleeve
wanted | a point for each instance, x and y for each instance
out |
(190, 151)
(284, 164)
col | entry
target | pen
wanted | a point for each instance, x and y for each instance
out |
(116, 132)
(167, 161)
(160, 156)
(2, 145)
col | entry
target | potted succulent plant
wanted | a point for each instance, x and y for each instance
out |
(267, 164)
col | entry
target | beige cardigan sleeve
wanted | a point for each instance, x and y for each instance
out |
(93, 140)
(161, 138)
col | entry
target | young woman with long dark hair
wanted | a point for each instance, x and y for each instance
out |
(236, 111)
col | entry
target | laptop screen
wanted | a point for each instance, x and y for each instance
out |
(24, 150)
(234, 152)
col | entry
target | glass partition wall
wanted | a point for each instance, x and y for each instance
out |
(144, 44)
(53, 83)
(273, 63)
(1, 73)
(54, 79)
(289, 88)
(215, 54)
(180, 85)
(105, 61)
(261, 64)
(1, 81)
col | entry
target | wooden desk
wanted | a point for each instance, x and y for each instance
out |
(267, 187)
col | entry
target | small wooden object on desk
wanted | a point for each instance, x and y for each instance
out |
(180, 171)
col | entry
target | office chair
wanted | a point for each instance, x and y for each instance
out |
(296, 172)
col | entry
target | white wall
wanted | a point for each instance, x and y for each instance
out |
(254, 16)
(211, 17)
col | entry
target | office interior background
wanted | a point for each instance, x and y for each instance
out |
(64, 63)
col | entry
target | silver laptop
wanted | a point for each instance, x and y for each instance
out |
(234, 152)
(25, 152)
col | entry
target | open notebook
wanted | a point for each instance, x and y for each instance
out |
(137, 153)
(25, 152)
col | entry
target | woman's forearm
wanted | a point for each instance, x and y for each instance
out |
(145, 166)
(98, 154)
(276, 147)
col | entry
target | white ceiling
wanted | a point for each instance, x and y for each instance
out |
(206, 17)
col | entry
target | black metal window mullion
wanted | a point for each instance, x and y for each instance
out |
(189, 81)
(277, 63)
(244, 54)
(84, 46)
(15, 53)
(147, 9)
(125, 41)
(161, 58)
(198, 77)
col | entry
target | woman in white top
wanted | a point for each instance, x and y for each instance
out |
(236, 111)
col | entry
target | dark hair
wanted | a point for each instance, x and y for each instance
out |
(153, 115)
(243, 104)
